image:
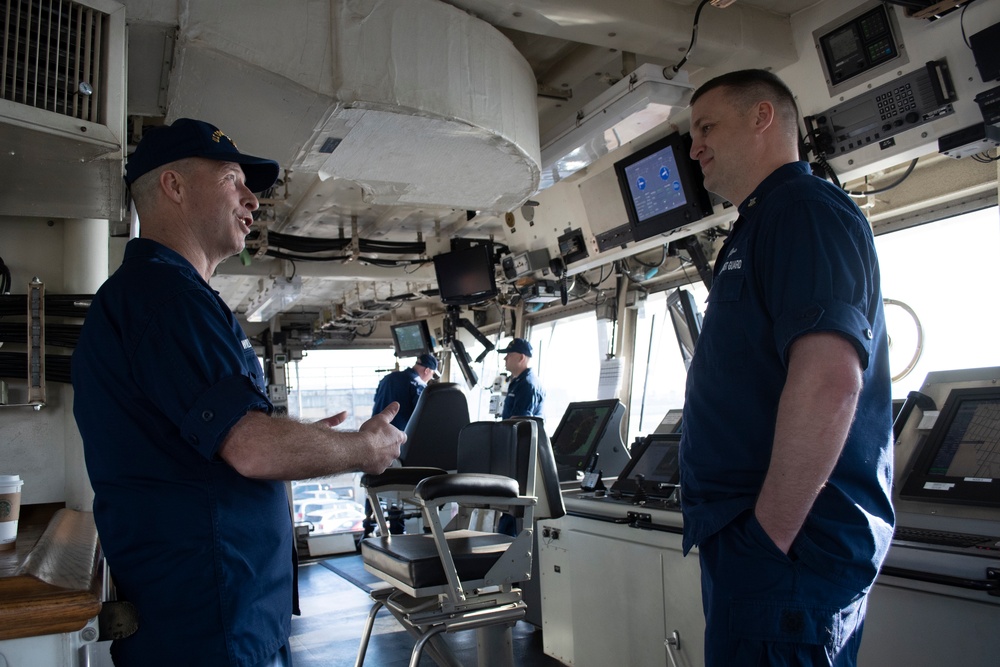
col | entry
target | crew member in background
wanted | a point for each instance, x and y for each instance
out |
(524, 394)
(404, 387)
(186, 460)
(786, 452)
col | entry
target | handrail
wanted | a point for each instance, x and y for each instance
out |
(990, 585)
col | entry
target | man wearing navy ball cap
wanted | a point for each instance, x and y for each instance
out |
(184, 456)
(404, 387)
(524, 394)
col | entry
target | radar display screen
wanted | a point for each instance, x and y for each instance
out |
(959, 461)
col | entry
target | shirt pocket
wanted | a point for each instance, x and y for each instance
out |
(727, 287)
(723, 344)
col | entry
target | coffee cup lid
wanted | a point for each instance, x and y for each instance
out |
(10, 479)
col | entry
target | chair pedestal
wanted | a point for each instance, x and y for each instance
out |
(463, 578)
(423, 619)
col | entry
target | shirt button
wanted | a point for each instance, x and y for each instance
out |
(868, 334)
(193, 439)
(207, 415)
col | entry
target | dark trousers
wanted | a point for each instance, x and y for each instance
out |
(283, 658)
(763, 607)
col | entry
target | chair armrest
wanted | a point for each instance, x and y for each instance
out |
(400, 476)
(467, 484)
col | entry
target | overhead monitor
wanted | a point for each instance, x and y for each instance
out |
(412, 339)
(586, 428)
(466, 276)
(959, 460)
(686, 319)
(662, 187)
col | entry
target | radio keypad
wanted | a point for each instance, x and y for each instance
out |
(895, 102)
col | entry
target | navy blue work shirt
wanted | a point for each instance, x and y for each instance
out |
(800, 260)
(161, 372)
(524, 397)
(404, 387)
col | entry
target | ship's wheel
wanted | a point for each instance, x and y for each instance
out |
(906, 338)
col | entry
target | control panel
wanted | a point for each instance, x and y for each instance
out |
(877, 115)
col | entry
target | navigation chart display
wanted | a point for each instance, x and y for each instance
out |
(971, 447)
(959, 461)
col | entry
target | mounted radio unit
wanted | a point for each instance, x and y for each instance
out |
(877, 115)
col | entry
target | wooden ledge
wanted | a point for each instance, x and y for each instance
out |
(55, 585)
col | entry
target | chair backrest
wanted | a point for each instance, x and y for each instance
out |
(442, 411)
(550, 500)
(505, 448)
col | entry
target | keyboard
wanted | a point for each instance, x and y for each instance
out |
(944, 538)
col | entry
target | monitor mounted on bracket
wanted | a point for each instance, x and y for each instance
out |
(662, 187)
(588, 428)
(411, 339)
(466, 276)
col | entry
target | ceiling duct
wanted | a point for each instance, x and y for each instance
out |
(415, 101)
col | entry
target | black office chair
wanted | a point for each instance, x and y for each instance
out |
(442, 411)
(462, 578)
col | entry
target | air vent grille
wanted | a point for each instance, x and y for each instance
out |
(53, 57)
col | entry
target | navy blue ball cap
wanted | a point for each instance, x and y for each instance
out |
(428, 361)
(518, 345)
(187, 137)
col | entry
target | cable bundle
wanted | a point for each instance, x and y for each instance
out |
(15, 365)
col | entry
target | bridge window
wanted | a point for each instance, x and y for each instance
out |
(658, 371)
(945, 273)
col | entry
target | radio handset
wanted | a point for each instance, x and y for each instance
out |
(592, 480)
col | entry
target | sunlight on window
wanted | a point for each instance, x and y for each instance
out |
(658, 371)
(325, 382)
(945, 273)
(568, 358)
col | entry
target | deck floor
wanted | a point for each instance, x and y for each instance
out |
(328, 632)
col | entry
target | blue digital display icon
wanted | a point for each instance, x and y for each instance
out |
(665, 173)
(677, 186)
(640, 183)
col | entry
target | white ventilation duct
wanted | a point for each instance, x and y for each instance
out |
(416, 101)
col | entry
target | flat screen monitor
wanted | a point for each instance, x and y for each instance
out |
(657, 460)
(412, 339)
(686, 319)
(662, 187)
(959, 460)
(581, 429)
(466, 276)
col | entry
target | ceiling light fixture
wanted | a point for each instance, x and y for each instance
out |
(273, 299)
(633, 106)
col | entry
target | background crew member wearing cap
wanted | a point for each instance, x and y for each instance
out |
(181, 449)
(404, 387)
(524, 394)
(786, 457)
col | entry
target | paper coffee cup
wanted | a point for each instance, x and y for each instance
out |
(10, 509)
